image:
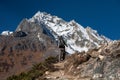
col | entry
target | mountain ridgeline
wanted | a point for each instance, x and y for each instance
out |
(76, 36)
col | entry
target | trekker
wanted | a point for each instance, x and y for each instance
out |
(61, 45)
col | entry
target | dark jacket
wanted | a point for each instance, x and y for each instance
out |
(61, 42)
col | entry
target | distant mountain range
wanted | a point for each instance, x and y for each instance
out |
(76, 36)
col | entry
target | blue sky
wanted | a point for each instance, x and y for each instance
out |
(102, 15)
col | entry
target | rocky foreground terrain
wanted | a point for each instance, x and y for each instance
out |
(97, 64)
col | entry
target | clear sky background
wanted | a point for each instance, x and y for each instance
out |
(101, 15)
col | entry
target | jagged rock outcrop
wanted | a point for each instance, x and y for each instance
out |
(27, 27)
(102, 64)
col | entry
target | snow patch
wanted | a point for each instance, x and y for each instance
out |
(6, 33)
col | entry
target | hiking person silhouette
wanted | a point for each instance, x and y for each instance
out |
(61, 45)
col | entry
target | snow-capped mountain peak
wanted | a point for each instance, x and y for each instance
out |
(76, 36)
(41, 16)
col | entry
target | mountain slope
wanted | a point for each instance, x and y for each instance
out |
(76, 36)
(22, 49)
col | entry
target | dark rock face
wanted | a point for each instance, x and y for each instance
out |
(24, 48)
(19, 34)
(102, 64)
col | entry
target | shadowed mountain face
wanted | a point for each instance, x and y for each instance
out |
(22, 49)
(27, 27)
